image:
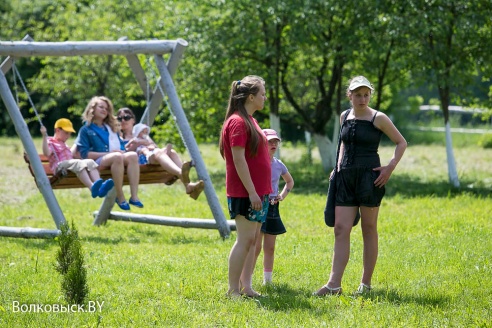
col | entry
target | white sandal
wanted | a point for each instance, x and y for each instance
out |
(363, 288)
(326, 290)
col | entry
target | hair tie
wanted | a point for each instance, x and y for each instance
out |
(239, 82)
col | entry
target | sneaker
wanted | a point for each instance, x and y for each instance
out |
(123, 205)
(136, 203)
(363, 288)
(95, 187)
(106, 187)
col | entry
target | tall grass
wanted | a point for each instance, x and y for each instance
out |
(434, 266)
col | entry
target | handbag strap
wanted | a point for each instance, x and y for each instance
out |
(340, 139)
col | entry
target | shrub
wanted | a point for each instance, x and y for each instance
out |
(70, 264)
(485, 141)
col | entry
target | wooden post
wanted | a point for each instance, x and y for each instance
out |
(168, 221)
(28, 232)
(23, 132)
(105, 209)
(167, 84)
(81, 48)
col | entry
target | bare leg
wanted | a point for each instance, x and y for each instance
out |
(245, 241)
(246, 279)
(94, 175)
(175, 158)
(160, 157)
(115, 161)
(133, 172)
(269, 252)
(370, 237)
(343, 227)
(85, 179)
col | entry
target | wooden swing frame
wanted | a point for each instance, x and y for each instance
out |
(47, 181)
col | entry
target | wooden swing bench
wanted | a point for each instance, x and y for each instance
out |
(149, 173)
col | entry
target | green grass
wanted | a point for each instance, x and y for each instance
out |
(434, 267)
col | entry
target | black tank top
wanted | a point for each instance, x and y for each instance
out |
(361, 142)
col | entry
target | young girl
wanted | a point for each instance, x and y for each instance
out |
(248, 178)
(98, 140)
(273, 225)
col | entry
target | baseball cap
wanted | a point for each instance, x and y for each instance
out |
(271, 134)
(360, 81)
(64, 124)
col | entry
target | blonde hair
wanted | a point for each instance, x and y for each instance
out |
(88, 115)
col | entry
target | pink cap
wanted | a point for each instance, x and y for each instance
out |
(271, 134)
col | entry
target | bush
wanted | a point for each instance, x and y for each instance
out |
(70, 264)
(485, 141)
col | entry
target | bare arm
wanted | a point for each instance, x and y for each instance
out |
(289, 184)
(238, 155)
(46, 148)
(383, 123)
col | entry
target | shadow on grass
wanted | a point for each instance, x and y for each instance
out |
(281, 297)
(396, 297)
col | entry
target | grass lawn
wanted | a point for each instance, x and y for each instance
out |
(434, 267)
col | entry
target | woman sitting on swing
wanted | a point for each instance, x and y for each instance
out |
(99, 140)
(136, 138)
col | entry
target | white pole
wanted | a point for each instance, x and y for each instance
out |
(79, 48)
(167, 85)
(23, 132)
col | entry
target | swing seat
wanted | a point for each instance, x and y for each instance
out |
(149, 173)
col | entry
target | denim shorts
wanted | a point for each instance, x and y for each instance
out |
(242, 206)
(273, 224)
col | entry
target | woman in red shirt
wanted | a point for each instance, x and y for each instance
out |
(248, 178)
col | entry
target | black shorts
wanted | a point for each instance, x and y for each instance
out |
(273, 224)
(242, 206)
(355, 187)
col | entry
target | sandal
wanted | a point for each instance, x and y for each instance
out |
(198, 188)
(363, 288)
(185, 172)
(325, 290)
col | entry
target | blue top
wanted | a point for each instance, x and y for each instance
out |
(278, 169)
(93, 138)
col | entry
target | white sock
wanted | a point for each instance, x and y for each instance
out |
(267, 276)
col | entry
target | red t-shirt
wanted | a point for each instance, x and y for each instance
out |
(235, 135)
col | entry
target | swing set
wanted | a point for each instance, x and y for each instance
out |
(46, 180)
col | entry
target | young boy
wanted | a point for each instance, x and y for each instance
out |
(273, 225)
(61, 158)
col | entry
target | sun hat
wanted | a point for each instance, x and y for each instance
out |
(65, 125)
(139, 128)
(271, 134)
(360, 81)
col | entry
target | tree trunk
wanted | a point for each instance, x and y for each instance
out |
(275, 124)
(326, 152)
(452, 172)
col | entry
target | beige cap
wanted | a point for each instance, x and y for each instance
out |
(360, 81)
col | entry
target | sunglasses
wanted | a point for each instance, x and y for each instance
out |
(125, 117)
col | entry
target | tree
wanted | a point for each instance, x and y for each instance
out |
(450, 41)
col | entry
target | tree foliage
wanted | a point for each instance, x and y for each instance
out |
(306, 51)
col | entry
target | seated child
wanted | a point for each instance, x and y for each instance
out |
(61, 159)
(146, 145)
